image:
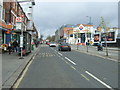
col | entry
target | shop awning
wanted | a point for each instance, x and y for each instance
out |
(4, 29)
(4, 26)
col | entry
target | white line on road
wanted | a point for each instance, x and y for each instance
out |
(70, 61)
(99, 80)
(60, 54)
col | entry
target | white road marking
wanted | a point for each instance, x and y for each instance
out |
(60, 54)
(99, 80)
(70, 61)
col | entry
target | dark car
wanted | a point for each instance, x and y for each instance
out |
(64, 46)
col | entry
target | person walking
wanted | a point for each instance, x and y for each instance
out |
(15, 45)
(99, 46)
(10, 47)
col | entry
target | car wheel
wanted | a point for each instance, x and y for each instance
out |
(69, 49)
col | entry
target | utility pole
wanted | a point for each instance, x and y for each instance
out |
(104, 26)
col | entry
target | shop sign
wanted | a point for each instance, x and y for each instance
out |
(18, 26)
(3, 25)
(18, 19)
(81, 27)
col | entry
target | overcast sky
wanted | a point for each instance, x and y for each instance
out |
(49, 16)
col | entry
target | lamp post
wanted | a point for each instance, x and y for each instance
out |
(87, 30)
(21, 41)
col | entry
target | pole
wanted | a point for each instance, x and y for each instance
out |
(87, 31)
(106, 44)
(87, 40)
(77, 39)
(21, 42)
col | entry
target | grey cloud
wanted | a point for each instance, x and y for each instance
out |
(51, 15)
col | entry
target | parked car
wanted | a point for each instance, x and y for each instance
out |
(64, 46)
(52, 44)
(47, 43)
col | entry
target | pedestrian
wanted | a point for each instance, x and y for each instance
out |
(99, 46)
(10, 47)
(15, 45)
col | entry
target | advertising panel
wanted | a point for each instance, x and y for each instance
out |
(96, 38)
(110, 36)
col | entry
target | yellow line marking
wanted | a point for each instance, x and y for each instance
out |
(22, 76)
(84, 77)
(73, 67)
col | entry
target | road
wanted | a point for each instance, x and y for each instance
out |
(62, 69)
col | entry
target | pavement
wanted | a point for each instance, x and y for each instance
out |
(12, 67)
(113, 53)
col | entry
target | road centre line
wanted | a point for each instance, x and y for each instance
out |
(99, 80)
(70, 61)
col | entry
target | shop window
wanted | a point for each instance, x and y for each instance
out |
(79, 35)
(89, 35)
(75, 35)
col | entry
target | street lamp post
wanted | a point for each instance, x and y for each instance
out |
(87, 39)
(87, 30)
(21, 41)
(77, 40)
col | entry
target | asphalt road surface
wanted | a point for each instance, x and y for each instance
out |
(63, 69)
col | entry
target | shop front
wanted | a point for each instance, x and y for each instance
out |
(83, 34)
(26, 41)
(5, 36)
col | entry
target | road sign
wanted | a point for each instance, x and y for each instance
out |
(18, 19)
(21, 41)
